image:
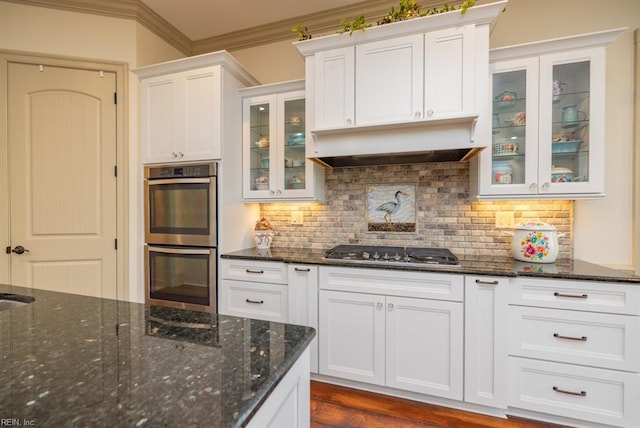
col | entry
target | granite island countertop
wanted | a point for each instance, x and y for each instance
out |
(70, 360)
(469, 265)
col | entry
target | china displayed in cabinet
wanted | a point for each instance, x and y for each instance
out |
(274, 144)
(547, 120)
(185, 105)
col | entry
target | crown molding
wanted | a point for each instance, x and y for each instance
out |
(319, 23)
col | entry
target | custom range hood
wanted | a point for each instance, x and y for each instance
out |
(411, 91)
(414, 142)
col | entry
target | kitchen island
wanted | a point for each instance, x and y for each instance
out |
(70, 360)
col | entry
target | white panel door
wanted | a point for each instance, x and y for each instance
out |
(334, 88)
(62, 154)
(389, 80)
(425, 346)
(352, 342)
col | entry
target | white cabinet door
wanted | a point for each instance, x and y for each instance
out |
(577, 114)
(485, 380)
(425, 346)
(449, 72)
(303, 302)
(334, 88)
(157, 118)
(352, 336)
(202, 114)
(181, 116)
(389, 80)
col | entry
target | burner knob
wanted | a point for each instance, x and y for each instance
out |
(365, 255)
(386, 256)
(376, 255)
(397, 257)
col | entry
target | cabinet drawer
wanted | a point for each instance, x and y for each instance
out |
(585, 393)
(254, 271)
(425, 285)
(617, 298)
(251, 300)
(585, 338)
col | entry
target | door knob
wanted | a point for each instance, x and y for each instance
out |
(19, 249)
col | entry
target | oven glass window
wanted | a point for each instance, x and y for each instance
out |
(180, 208)
(180, 277)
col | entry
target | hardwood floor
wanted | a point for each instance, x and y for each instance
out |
(336, 406)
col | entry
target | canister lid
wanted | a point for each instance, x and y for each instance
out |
(535, 225)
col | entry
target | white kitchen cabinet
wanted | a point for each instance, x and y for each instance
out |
(373, 328)
(303, 302)
(184, 105)
(485, 340)
(548, 120)
(425, 70)
(274, 145)
(253, 289)
(574, 351)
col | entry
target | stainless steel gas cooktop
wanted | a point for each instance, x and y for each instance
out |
(434, 257)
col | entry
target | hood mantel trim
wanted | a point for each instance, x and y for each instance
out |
(440, 140)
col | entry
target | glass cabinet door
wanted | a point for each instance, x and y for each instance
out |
(513, 165)
(570, 131)
(294, 162)
(260, 131)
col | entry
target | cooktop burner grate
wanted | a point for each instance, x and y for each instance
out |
(389, 254)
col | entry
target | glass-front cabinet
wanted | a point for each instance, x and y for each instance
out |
(547, 123)
(274, 144)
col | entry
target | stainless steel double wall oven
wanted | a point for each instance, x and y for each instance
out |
(180, 215)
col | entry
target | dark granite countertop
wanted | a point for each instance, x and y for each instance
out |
(470, 265)
(76, 361)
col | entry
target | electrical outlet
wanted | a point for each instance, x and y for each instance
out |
(297, 218)
(504, 219)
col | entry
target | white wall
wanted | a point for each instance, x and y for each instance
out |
(53, 32)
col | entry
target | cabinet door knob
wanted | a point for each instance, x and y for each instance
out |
(390, 306)
(348, 121)
(430, 113)
(174, 155)
(379, 305)
(533, 187)
(545, 186)
(418, 114)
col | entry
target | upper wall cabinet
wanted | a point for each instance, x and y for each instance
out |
(548, 117)
(274, 163)
(427, 73)
(183, 105)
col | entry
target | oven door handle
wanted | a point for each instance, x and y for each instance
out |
(179, 181)
(190, 250)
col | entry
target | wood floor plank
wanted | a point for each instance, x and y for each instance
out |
(337, 406)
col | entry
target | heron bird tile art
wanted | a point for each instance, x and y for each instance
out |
(391, 208)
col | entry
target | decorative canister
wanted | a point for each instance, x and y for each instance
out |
(535, 241)
(263, 239)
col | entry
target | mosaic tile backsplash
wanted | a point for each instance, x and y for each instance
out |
(446, 215)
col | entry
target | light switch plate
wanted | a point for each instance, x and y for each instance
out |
(504, 219)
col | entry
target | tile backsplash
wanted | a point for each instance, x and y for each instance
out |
(446, 216)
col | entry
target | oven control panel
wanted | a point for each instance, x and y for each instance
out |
(180, 170)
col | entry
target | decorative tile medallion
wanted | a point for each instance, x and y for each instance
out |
(391, 208)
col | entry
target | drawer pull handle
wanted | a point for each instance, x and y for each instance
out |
(257, 302)
(573, 296)
(558, 336)
(255, 271)
(302, 269)
(581, 393)
(479, 281)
